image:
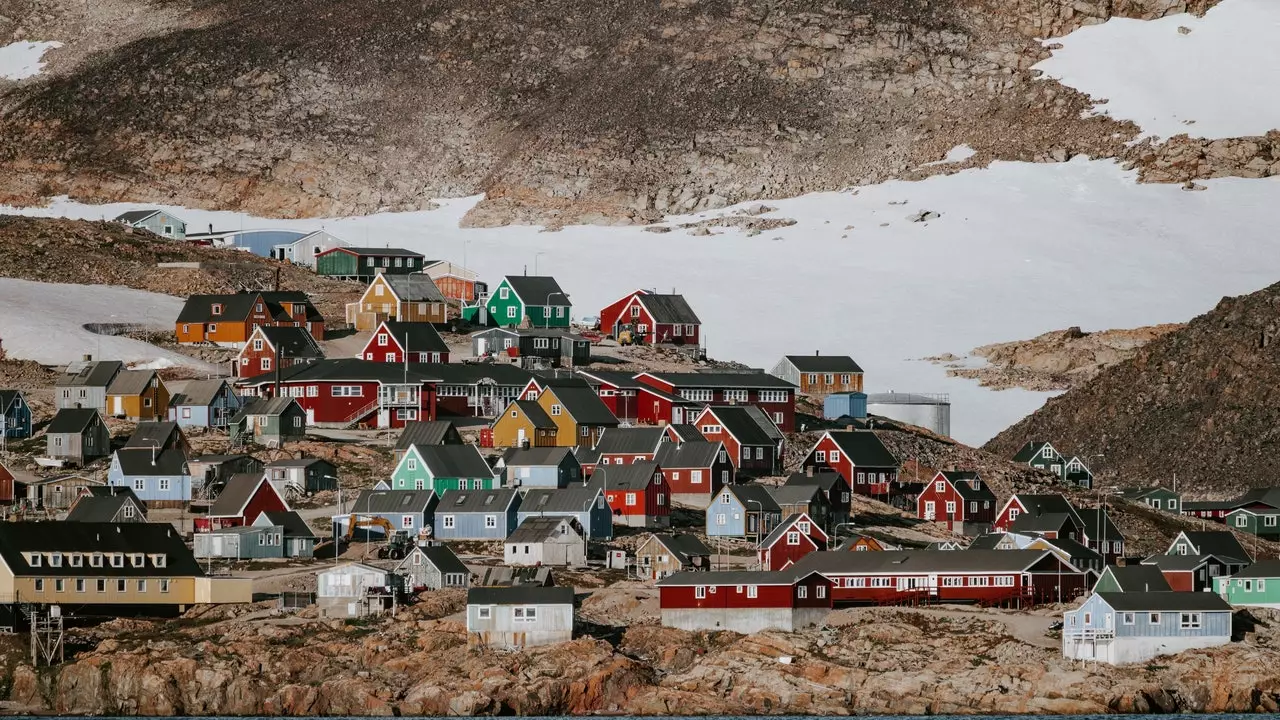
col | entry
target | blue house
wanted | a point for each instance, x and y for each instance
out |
(845, 405)
(412, 511)
(159, 477)
(204, 404)
(15, 415)
(477, 514)
(584, 505)
(743, 511)
(1130, 627)
(541, 467)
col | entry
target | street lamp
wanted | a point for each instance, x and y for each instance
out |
(835, 532)
(546, 320)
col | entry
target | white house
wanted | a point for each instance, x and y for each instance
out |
(304, 250)
(352, 590)
(517, 617)
(546, 541)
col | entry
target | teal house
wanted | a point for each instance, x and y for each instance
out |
(523, 301)
(1255, 586)
(1042, 456)
(1260, 521)
(443, 467)
(1157, 498)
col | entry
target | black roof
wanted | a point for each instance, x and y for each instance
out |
(863, 448)
(393, 501)
(583, 405)
(266, 406)
(824, 363)
(291, 521)
(969, 484)
(616, 378)
(1138, 493)
(236, 494)
(1138, 578)
(154, 433)
(537, 528)
(1090, 518)
(472, 373)
(920, 561)
(825, 480)
(197, 392)
(559, 500)
(742, 424)
(135, 216)
(668, 309)
(102, 508)
(415, 287)
(1260, 569)
(71, 420)
(534, 413)
(380, 251)
(416, 336)
(423, 432)
(351, 369)
(17, 538)
(7, 397)
(1044, 522)
(444, 559)
(634, 476)
(537, 289)
(237, 306)
(686, 432)
(1222, 543)
(463, 461)
(536, 456)
(723, 380)
(1165, 601)
(683, 547)
(147, 462)
(631, 440)
(1028, 452)
(520, 595)
(474, 501)
(752, 495)
(292, 342)
(692, 454)
(91, 374)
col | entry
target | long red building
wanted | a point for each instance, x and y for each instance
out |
(348, 392)
(683, 391)
(744, 602)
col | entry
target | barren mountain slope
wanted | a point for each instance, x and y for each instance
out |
(556, 108)
(1201, 403)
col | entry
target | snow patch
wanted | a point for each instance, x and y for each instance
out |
(957, 154)
(22, 60)
(1021, 249)
(1210, 77)
(45, 322)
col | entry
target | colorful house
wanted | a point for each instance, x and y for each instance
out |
(1249, 587)
(158, 222)
(229, 320)
(524, 424)
(755, 446)
(1131, 578)
(532, 348)
(392, 341)
(1100, 534)
(1191, 573)
(744, 602)
(204, 404)
(455, 281)
(241, 501)
(477, 514)
(796, 536)
(774, 396)
(541, 467)
(138, 395)
(1075, 472)
(636, 494)
(585, 506)
(857, 455)
(652, 318)
(577, 412)
(743, 511)
(443, 467)
(1262, 522)
(1051, 515)
(425, 432)
(350, 392)
(695, 470)
(303, 250)
(15, 415)
(619, 446)
(834, 486)
(398, 298)
(275, 348)
(523, 301)
(1134, 627)
(84, 385)
(807, 499)
(1042, 456)
(958, 499)
(378, 511)
(158, 477)
(1158, 498)
(820, 375)
(268, 421)
(302, 476)
(512, 618)
(366, 263)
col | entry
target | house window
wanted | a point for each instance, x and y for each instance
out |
(163, 484)
(265, 363)
(813, 378)
(511, 311)
(802, 592)
(504, 293)
(951, 507)
(164, 585)
(746, 453)
(835, 456)
(398, 260)
(419, 484)
(720, 519)
(101, 585)
(793, 538)
(257, 344)
(555, 410)
(1128, 618)
(584, 431)
(733, 396)
(525, 614)
(491, 521)
(699, 591)
(695, 477)
(635, 311)
(447, 521)
(1241, 520)
(752, 591)
(484, 613)
(1153, 618)
(710, 429)
(140, 484)
(79, 585)
(406, 521)
(216, 309)
(142, 586)
(940, 486)
(213, 328)
(39, 584)
(122, 585)
(1189, 620)
(820, 455)
(760, 453)
(186, 413)
(631, 499)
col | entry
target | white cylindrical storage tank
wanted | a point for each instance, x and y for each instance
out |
(931, 411)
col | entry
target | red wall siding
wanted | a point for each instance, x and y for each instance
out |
(940, 498)
(1180, 581)
(1002, 521)
(727, 596)
(780, 553)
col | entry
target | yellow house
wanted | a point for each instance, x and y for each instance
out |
(402, 298)
(580, 416)
(138, 395)
(524, 421)
(106, 568)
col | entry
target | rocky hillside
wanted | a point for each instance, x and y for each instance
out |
(560, 110)
(1199, 406)
(100, 253)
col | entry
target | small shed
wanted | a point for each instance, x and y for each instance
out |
(510, 618)
(542, 467)
(433, 567)
(546, 541)
(353, 590)
(845, 405)
(299, 541)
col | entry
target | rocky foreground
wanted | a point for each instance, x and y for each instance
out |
(868, 661)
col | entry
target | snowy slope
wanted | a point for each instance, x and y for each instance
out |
(1019, 249)
(45, 322)
(1216, 81)
(22, 60)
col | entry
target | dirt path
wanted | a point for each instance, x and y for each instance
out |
(1028, 628)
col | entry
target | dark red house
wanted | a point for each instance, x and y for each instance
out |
(1050, 515)
(349, 393)
(621, 446)
(754, 445)
(653, 318)
(1006, 577)
(695, 471)
(617, 390)
(797, 536)
(774, 396)
(958, 499)
(860, 457)
(241, 500)
(392, 340)
(744, 602)
(637, 494)
(270, 348)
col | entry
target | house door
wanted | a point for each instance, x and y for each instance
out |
(657, 411)
(311, 416)
(930, 509)
(482, 347)
(384, 418)
(520, 438)
(215, 546)
(117, 405)
(677, 416)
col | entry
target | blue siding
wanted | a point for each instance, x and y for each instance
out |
(260, 242)
(148, 487)
(540, 476)
(471, 525)
(416, 521)
(18, 422)
(1100, 613)
(840, 405)
(725, 517)
(224, 406)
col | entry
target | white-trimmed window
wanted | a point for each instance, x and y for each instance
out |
(555, 410)
(820, 455)
(631, 499)
(834, 456)
(491, 521)
(1128, 618)
(511, 312)
(774, 396)
(793, 538)
(802, 592)
(447, 521)
(700, 592)
(1153, 618)
(163, 484)
(752, 591)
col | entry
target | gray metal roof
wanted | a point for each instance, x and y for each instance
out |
(132, 382)
(782, 528)
(969, 485)
(155, 433)
(101, 508)
(1046, 522)
(520, 595)
(795, 494)
(687, 433)
(921, 561)
(1091, 517)
(462, 461)
(1178, 563)
(537, 290)
(380, 251)
(863, 448)
(292, 342)
(635, 476)
(824, 364)
(631, 440)
(298, 463)
(1260, 569)
(93, 374)
(534, 413)
(668, 309)
(723, 380)
(742, 424)
(292, 522)
(693, 454)
(71, 420)
(423, 432)
(265, 406)
(758, 495)
(683, 547)
(476, 501)
(825, 480)
(559, 500)
(583, 405)
(378, 502)
(200, 393)
(148, 462)
(443, 559)
(1165, 601)
(416, 337)
(536, 529)
(135, 216)
(616, 378)
(17, 538)
(414, 288)
(1222, 543)
(536, 456)
(235, 494)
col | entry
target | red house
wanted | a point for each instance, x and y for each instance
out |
(389, 342)
(695, 471)
(245, 496)
(744, 602)
(959, 500)
(653, 318)
(754, 445)
(1049, 515)
(636, 494)
(774, 396)
(857, 455)
(1009, 577)
(795, 537)
(346, 392)
(270, 348)
(620, 446)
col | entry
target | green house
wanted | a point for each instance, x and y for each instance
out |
(364, 264)
(1255, 586)
(1263, 522)
(443, 467)
(1157, 498)
(268, 421)
(1041, 455)
(525, 301)
(1131, 578)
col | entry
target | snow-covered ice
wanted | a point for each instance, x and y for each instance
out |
(45, 322)
(22, 60)
(959, 153)
(1020, 249)
(1216, 81)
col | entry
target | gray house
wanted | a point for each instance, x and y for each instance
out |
(533, 348)
(303, 476)
(304, 250)
(541, 467)
(477, 514)
(353, 590)
(409, 511)
(511, 618)
(160, 222)
(269, 421)
(204, 404)
(545, 541)
(425, 432)
(299, 541)
(252, 542)
(433, 567)
(84, 384)
(77, 435)
(585, 506)
(108, 504)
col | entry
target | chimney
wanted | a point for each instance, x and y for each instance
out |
(816, 353)
(87, 358)
(210, 228)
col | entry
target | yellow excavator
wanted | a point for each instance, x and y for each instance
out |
(358, 522)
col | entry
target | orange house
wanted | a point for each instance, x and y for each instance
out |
(138, 395)
(229, 320)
